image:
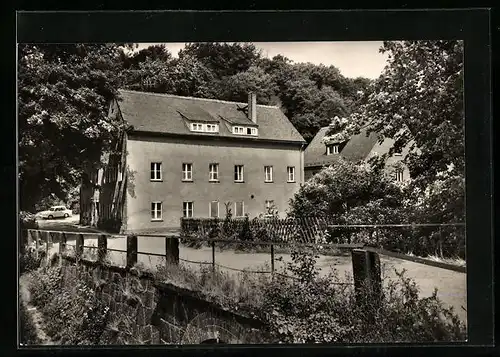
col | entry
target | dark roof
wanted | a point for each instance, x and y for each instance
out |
(356, 148)
(170, 114)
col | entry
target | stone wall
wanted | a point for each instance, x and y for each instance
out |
(143, 311)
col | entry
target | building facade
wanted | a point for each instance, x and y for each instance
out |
(360, 147)
(192, 157)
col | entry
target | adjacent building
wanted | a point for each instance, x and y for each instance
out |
(360, 147)
(192, 157)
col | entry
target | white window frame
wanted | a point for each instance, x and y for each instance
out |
(399, 175)
(197, 127)
(187, 171)
(242, 209)
(210, 209)
(212, 128)
(290, 170)
(238, 130)
(213, 175)
(332, 149)
(154, 210)
(243, 130)
(266, 178)
(186, 209)
(240, 174)
(157, 169)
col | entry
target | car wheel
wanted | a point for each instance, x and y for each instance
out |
(66, 215)
(50, 217)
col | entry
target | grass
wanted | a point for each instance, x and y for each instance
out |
(436, 258)
(228, 290)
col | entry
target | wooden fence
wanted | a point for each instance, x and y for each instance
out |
(422, 239)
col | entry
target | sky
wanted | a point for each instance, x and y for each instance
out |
(353, 59)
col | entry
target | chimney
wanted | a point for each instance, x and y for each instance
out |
(252, 107)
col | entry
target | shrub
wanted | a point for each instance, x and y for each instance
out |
(312, 309)
(27, 220)
(73, 313)
(44, 284)
(27, 330)
(29, 261)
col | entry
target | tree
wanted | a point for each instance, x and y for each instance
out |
(345, 185)
(418, 101)
(255, 79)
(310, 108)
(154, 52)
(223, 59)
(63, 94)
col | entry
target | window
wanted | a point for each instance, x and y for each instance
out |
(399, 175)
(187, 209)
(156, 171)
(212, 128)
(332, 149)
(196, 127)
(239, 209)
(238, 130)
(268, 173)
(238, 173)
(209, 128)
(187, 172)
(291, 173)
(269, 204)
(244, 130)
(214, 209)
(156, 211)
(213, 172)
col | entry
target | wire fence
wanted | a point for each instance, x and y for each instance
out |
(375, 237)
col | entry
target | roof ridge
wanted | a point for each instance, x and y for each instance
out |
(196, 98)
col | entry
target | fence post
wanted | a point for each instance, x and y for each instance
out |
(102, 247)
(37, 243)
(131, 250)
(272, 258)
(79, 246)
(47, 236)
(172, 249)
(440, 242)
(367, 277)
(62, 243)
(213, 257)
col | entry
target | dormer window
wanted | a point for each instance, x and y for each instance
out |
(332, 149)
(240, 130)
(208, 128)
(212, 128)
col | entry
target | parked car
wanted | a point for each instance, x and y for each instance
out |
(56, 212)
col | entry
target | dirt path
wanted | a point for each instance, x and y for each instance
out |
(32, 311)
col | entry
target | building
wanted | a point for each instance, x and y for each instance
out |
(193, 157)
(360, 147)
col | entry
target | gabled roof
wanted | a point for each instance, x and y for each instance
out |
(170, 114)
(356, 148)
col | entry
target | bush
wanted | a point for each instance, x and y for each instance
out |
(27, 330)
(29, 262)
(73, 313)
(312, 309)
(27, 220)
